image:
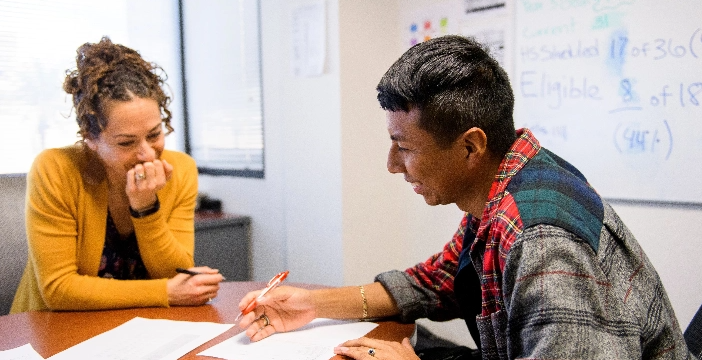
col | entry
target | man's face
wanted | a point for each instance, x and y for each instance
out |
(439, 174)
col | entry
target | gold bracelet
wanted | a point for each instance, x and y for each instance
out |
(365, 302)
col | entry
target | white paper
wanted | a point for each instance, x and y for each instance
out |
(314, 341)
(308, 39)
(481, 7)
(148, 339)
(491, 32)
(24, 352)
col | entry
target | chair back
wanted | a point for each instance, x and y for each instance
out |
(693, 334)
(13, 236)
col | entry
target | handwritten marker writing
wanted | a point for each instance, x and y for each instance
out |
(275, 281)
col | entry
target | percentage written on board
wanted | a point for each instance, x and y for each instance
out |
(639, 138)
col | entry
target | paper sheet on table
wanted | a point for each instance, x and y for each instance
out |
(24, 352)
(314, 341)
(140, 338)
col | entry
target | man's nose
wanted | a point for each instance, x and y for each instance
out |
(394, 166)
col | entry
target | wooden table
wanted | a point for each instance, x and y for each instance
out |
(53, 332)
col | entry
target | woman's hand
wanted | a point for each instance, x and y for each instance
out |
(184, 289)
(287, 308)
(144, 180)
(385, 350)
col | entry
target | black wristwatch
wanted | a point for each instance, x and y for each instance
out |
(147, 212)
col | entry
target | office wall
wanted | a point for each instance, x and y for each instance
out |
(671, 239)
(296, 209)
(328, 209)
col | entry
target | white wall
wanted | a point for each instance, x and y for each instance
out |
(329, 211)
(672, 241)
(296, 209)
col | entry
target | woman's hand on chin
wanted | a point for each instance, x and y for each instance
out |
(144, 180)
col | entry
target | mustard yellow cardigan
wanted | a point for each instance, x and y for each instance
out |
(66, 217)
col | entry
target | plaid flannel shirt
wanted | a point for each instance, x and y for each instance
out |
(561, 277)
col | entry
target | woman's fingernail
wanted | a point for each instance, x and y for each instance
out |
(340, 350)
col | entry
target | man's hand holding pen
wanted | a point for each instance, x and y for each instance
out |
(193, 286)
(275, 309)
(285, 308)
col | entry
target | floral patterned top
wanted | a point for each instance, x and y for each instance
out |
(120, 255)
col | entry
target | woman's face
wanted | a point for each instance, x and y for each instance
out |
(134, 135)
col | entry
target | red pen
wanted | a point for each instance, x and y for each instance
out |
(275, 281)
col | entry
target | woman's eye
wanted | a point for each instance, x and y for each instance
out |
(126, 144)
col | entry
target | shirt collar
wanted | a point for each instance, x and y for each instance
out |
(523, 149)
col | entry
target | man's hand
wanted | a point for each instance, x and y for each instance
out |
(370, 349)
(286, 308)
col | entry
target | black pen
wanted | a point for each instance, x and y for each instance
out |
(192, 273)
(186, 271)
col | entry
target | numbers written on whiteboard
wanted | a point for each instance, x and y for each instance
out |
(639, 138)
(682, 95)
(657, 49)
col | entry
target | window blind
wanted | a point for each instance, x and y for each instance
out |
(222, 70)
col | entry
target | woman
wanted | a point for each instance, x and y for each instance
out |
(111, 218)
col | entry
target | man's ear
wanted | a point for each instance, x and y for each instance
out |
(475, 141)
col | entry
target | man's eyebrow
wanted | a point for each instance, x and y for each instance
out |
(397, 138)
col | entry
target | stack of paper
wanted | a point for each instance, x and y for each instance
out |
(158, 339)
(314, 341)
(24, 352)
(141, 338)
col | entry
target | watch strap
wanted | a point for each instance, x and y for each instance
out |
(140, 214)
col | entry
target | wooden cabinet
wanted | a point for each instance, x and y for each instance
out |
(223, 241)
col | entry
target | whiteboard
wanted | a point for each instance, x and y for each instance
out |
(615, 88)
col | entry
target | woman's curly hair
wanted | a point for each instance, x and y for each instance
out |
(112, 72)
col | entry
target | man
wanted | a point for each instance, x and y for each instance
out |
(540, 267)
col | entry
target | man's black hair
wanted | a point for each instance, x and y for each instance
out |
(456, 85)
